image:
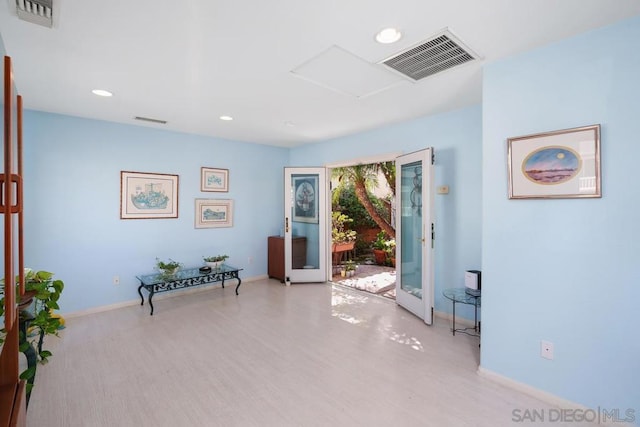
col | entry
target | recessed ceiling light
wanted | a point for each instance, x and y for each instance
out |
(101, 92)
(226, 118)
(388, 35)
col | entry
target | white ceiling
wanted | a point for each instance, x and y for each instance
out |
(191, 61)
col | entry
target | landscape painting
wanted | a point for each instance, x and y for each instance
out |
(552, 165)
(213, 213)
(558, 164)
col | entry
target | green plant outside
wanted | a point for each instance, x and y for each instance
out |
(345, 200)
(339, 232)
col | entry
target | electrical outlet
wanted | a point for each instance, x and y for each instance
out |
(116, 280)
(546, 350)
(250, 260)
(443, 189)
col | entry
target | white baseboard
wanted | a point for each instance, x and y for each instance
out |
(544, 396)
(459, 320)
(184, 291)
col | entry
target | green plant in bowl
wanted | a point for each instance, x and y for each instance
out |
(169, 267)
(215, 261)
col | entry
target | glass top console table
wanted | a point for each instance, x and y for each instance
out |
(460, 295)
(185, 278)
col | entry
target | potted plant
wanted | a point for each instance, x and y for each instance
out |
(342, 239)
(380, 248)
(37, 319)
(215, 261)
(350, 267)
(390, 252)
(168, 268)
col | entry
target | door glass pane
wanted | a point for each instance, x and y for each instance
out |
(411, 239)
(305, 232)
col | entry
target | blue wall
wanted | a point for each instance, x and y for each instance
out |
(72, 194)
(456, 138)
(566, 271)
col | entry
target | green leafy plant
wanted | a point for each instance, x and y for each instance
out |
(215, 258)
(390, 248)
(339, 232)
(43, 293)
(381, 241)
(350, 265)
(168, 267)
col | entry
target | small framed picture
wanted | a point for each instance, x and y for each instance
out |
(214, 213)
(148, 195)
(560, 164)
(214, 180)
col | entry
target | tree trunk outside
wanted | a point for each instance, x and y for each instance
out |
(361, 194)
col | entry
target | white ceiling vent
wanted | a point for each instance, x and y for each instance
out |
(36, 11)
(429, 57)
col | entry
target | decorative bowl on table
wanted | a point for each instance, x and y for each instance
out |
(168, 268)
(215, 262)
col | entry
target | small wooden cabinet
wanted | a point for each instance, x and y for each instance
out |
(275, 268)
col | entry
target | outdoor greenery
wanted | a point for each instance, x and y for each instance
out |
(339, 231)
(345, 200)
(364, 178)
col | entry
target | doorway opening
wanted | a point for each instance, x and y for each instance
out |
(363, 226)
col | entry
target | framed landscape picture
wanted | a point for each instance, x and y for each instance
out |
(214, 213)
(214, 180)
(148, 195)
(559, 164)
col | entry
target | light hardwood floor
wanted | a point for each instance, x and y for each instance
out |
(304, 355)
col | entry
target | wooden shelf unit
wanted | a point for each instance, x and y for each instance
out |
(275, 268)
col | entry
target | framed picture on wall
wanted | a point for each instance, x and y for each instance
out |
(306, 199)
(148, 195)
(214, 180)
(558, 164)
(214, 213)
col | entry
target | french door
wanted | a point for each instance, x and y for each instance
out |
(414, 233)
(305, 225)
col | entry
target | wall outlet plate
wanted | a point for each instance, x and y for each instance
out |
(546, 350)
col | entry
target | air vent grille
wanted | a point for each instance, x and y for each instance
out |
(430, 57)
(36, 11)
(148, 119)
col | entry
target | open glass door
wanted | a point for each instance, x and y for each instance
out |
(305, 225)
(414, 233)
